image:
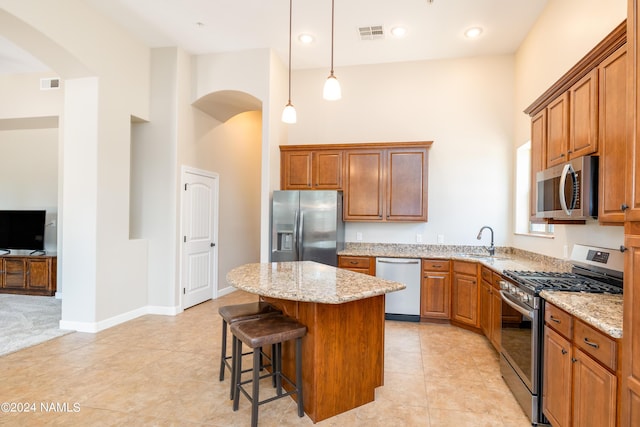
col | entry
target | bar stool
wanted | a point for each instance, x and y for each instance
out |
(257, 334)
(236, 313)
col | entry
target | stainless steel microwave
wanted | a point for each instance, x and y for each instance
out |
(568, 191)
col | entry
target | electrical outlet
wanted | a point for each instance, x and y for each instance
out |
(440, 238)
(358, 236)
(418, 238)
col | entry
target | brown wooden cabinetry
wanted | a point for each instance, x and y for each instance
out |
(465, 294)
(386, 183)
(435, 294)
(380, 181)
(490, 306)
(557, 130)
(32, 275)
(310, 169)
(538, 156)
(583, 116)
(359, 264)
(580, 386)
(613, 137)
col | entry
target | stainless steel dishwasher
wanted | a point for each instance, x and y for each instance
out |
(404, 304)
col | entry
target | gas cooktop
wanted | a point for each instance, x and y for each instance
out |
(555, 281)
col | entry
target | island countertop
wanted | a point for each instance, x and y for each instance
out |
(308, 281)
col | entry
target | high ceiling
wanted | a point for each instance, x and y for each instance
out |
(435, 28)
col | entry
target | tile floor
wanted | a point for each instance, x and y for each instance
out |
(163, 371)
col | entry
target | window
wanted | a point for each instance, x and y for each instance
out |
(523, 222)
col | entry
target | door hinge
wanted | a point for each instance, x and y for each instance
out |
(184, 239)
(184, 291)
(185, 187)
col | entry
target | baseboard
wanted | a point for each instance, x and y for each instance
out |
(164, 310)
(226, 291)
(58, 295)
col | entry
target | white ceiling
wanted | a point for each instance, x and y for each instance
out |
(435, 27)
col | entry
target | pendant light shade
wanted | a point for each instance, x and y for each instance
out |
(289, 113)
(332, 91)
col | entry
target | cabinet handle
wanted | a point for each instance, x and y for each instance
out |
(574, 360)
(553, 319)
(353, 262)
(436, 266)
(624, 207)
(564, 351)
(589, 343)
(562, 155)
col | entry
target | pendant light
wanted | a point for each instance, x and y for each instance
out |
(332, 89)
(289, 113)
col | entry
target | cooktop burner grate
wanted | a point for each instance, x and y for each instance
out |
(555, 281)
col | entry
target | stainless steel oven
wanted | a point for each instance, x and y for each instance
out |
(521, 344)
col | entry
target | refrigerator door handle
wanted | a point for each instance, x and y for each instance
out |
(295, 233)
(299, 246)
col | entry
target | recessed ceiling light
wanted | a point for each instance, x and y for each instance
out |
(473, 32)
(306, 38)
(399, 31)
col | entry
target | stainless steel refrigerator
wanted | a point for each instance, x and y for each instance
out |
(307, 225)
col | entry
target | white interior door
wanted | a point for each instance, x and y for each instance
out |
(199, 236)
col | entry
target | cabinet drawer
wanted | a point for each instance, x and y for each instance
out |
(559, 320)
(435, 265)
(465, 267)
(354, 262)
(486, 274)
(600, 346)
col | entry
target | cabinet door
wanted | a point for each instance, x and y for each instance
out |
(594, 393)
(327, 170)
(613, 137)
(296, 170)
(38, 274)
(583, 128)
(15, 273)
(465, 299)
(364, 189)
(631, 326)
(556, 387)
(1, 273)
(538, 158)
(485, 308)
(406, 185)
(435, 296)
(558, 130)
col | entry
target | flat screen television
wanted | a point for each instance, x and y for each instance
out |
(22, 229)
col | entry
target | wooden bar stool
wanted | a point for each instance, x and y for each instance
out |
(236, 313)
(257, 334)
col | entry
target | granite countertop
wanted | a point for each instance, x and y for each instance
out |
(504, 259)
(602, 311)
(308, 281)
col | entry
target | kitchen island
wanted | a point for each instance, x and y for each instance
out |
(343, 351)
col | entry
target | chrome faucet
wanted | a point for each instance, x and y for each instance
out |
(491, 249)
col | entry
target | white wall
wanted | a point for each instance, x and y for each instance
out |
(465, 106)
(106, 74)
(565, 32)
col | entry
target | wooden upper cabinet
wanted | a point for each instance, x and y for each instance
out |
(311, 170)
(538, 156)
(583, 116)
(364, 185)
(613, 137)
(406, 184)
(558, 130)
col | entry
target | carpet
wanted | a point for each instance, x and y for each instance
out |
(28, 320)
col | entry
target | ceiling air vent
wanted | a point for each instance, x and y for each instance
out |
(50, 83)
(373, 32)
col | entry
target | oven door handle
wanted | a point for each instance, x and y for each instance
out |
(515, 306)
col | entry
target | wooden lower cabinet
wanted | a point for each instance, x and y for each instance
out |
(490, 306)
(29, 275)
(580, 386)
(465, 294)
(435, 293)
(359, 264)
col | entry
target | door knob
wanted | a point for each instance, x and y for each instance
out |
(212, 244)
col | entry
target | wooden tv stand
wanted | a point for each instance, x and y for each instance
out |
(28, 274)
